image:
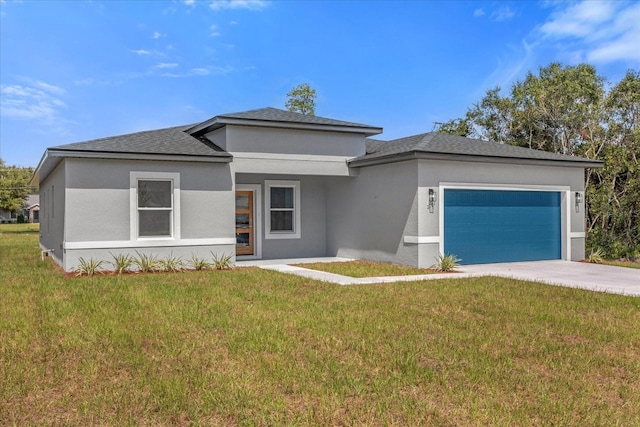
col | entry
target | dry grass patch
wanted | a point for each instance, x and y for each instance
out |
(361, 268)
(620, 263)
(254, 347)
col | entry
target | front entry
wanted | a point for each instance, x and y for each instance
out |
(244, 223)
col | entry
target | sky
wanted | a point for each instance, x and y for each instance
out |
(73, 71)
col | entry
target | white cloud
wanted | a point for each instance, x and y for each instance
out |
(478, 12)
(578, 20)
(90, 81)
(597, 31)
(238, 4)
(49, 88)
(157, 35)
(504, 13)
(509, 68)
(202, 71)
(214, 31)
(165, 65)
(189, 2)
(37, 101)
(141, 52)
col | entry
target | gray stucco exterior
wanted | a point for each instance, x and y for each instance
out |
(93, 210)
(358, 198)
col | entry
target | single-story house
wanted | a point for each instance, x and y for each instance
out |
(272, 184)
(30, 211)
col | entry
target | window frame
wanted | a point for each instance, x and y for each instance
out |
(296, 232)
(134, 209)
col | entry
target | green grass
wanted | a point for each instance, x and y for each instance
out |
(254, 347)
(19, 228)
(366, 268)
(628, 264)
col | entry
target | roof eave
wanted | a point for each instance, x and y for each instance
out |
(220, 121)
(53, 156)
(399, 157)
(95, 154)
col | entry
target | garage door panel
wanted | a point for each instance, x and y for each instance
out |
(484, 226)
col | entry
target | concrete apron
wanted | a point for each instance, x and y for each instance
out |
(594, 277)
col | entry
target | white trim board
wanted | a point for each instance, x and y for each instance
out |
(297, 223)
(159, 243)
(174, 177)
(419, 240)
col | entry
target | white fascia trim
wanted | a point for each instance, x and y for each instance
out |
(294, 157)
(564, 189)
(504, 187)
(138, 156)
(296, 209)
(366, 130)
(419, 240)
(134, 176)
(164, 243)
(577, 234)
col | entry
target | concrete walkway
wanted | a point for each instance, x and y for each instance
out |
(602, 278)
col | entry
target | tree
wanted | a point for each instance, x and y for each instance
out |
(302, 99)
(613, 216)
(568, 110)
(14, 186)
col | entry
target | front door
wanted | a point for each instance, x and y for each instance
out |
(244, 222)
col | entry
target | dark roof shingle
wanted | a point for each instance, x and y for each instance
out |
(441, 143)
(271, 114)
(172, 141)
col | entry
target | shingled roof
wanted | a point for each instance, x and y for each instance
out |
(171, 141)
(437, 145)
(276, 115)
(273, 116)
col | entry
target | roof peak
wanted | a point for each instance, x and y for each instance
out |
(275, 117)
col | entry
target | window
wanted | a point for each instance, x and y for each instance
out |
(282, 203)
(155, 208)
(155, 205)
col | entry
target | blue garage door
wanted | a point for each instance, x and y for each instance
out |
(486, 226)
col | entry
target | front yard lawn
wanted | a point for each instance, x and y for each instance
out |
(628, 264)
(361, 268)
(256, 347)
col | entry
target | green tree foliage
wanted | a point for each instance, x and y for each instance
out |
(302, 99)
(572, 110)
(14, 186)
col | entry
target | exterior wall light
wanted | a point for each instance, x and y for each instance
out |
(578, 200)
(432, 200)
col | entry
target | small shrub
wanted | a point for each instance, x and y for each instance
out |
(88, 267)
(171, 264)
(146, 263)
(20, 219)
(122, 263)
(596, 257)
(445, 263)
(198, 263)
(223, 262)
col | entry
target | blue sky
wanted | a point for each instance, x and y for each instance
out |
(78, 70)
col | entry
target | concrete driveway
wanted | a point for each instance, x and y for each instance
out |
(596, 277)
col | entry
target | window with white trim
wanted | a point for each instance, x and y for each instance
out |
(155, 205)
(282, 206)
